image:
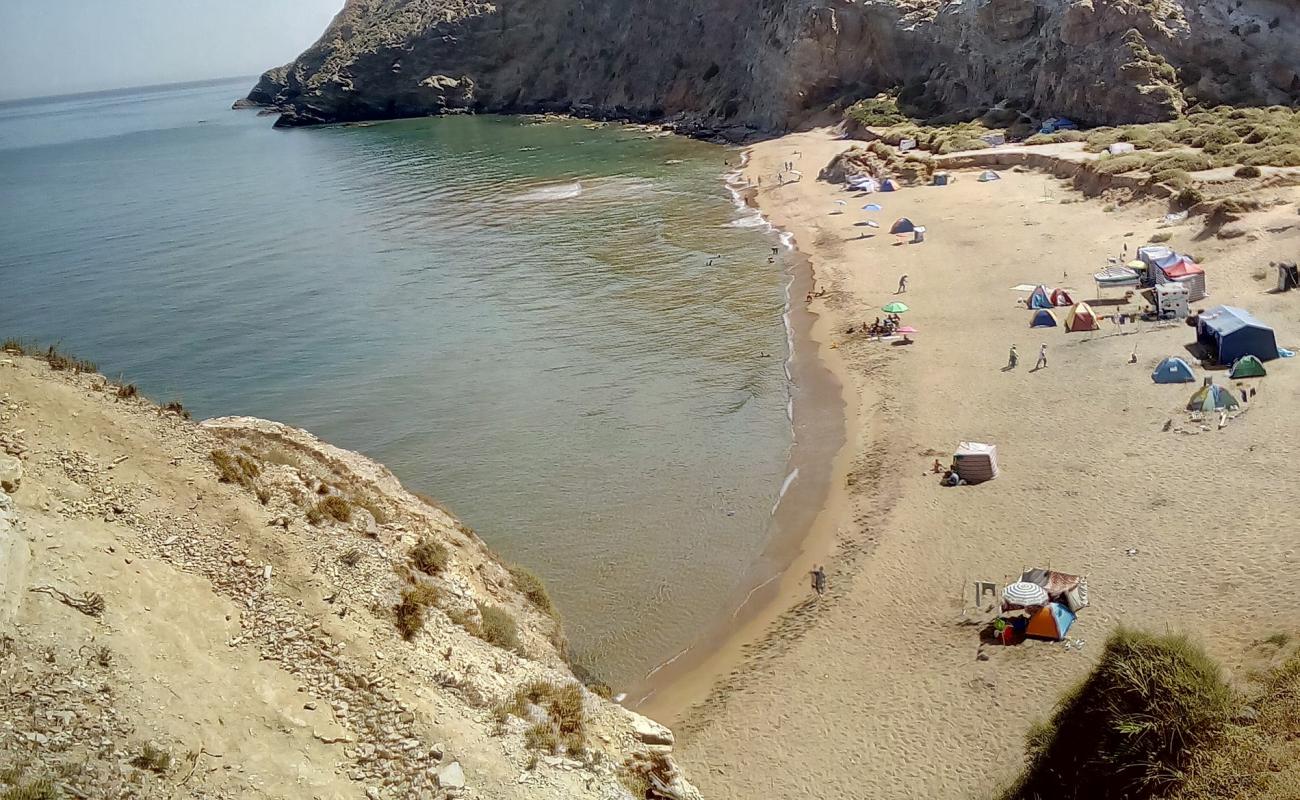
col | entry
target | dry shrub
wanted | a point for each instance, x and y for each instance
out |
(429, 556)
(378, 511)
(12, 345)
(498, 628)
(332, 506)
(635, 773)
(175, 407)
(62, 361)
(126, 391)
(152, 758)
(566, 718)
(1248, 171)
(529, 585)
(408, 614)
(238, 469)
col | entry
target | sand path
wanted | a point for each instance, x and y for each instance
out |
(877, 692)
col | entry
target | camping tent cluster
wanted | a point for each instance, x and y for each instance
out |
(1164, 265)
(1042, 297)
(1050, 602)
(1232, 332)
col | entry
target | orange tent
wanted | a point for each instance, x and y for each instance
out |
(1052, 621)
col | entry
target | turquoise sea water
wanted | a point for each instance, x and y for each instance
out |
(520, 319)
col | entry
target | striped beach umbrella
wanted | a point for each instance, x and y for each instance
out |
(1024, 593)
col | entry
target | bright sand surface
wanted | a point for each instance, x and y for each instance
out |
(876, 690)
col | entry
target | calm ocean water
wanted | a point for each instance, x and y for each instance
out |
(519, 319)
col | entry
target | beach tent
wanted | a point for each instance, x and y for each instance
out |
(1233, 333)
(976, 462)
(1043, 319)
(1212, 397)
(1173, 370)
(1060, 297)
(1052, 621)
(888, 185)
(903, 225)
(1040, 298)
(989, 175)
(1185, 271)
(1288, 277)
(1247, 367)
(1081, 318)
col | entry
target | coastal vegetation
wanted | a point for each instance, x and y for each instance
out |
(238, 469)
(429, 556)
(1158, 718)
(330, 506)
(564, 728)
(408, 614)
(529, 585)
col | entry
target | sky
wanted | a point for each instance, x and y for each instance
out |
(52, 47)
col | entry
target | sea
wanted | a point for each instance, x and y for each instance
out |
(570, 334)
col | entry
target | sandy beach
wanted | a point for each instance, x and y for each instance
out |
(879, 689)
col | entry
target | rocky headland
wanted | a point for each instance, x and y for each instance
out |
(734, 69)
(234, 609)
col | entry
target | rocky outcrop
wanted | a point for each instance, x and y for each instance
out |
(732, 67)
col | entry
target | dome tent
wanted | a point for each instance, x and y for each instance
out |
(1043, 318)
(1040, 297)
(1081, 318)
(1212, 397)
(902, 225)
(1173, 370)
(1247, 367)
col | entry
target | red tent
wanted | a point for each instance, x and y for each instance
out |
(1060, 297)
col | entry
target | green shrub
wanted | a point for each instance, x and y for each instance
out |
(1248, 171)
(429, 556)
(38, 789)
(529, 585)
(498, 628)
(1115, 165)
(1131, 726)
(1188, 197)
(880, 111)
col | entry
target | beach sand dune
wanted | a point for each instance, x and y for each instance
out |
(879, 690)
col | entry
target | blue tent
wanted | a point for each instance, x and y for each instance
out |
(1052, 621)
(1040, 298)
(1043, 319)
(1234, 333)
(1173, 370)
(888, 185)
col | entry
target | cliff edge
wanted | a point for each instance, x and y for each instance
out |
(234, 609)
(733, 68)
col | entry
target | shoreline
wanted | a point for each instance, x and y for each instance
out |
(809, 508)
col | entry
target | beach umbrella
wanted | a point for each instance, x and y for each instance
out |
(872, 207)
(1024, 593)
(894, 308)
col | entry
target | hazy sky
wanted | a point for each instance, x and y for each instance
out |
(63, 46)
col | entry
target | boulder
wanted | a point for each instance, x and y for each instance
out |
(11, 473)
(647, 731)
(451, 776)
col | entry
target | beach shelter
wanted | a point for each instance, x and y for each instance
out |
(1081, 318)
(1247, 367)
(1212, 397)
(1043, 319)
(1233, 333)
(903, 225)
(1052, 621)
(888, 185)
(1040, 298)
(989, 175)
(1173, 370)
(1060, 297)
(976, 462)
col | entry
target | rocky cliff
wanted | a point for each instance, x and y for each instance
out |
(733, 67)
(237, 609)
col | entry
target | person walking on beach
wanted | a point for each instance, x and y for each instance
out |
(1042, 356)
(819, 580)
(902, 285)
(1013, 359)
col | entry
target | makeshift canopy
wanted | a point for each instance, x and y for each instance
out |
(989, 175)
(976, 462)
(1040, 297)
(1052, 621)
(1043, 319)
(1060, 297)
(1212, 397)
(903, 225)
(1061, 587)
(1233, 333)
(1173, 370)
(1247, 367)
(1081, 318)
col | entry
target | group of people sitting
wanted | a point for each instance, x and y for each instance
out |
(886, 327)
(950, 476)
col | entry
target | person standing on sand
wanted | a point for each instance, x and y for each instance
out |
(819, 580)
(902, 285)
(1042, 356)
(1013, 359)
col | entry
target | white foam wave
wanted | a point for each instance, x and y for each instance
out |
(789, 479)
(751, 220)
(547, 194)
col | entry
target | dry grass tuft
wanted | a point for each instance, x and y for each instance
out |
(332, 506)
(565, 727)
(498, 628)
(127, 390)
(175, 407)
(62, 361)
(529, 585)
(408, 614)
(238, 469)
(152, 758)
(429, 556)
